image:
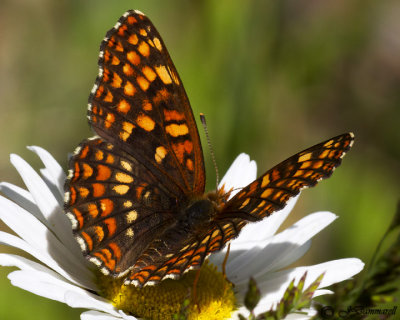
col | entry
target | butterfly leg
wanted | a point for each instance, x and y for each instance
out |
(228, 249)
(194, 295)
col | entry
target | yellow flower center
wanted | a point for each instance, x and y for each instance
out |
(214, 298)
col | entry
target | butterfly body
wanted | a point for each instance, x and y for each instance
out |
(135, 193)
(197, 215)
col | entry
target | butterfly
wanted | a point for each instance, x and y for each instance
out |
(135, 193)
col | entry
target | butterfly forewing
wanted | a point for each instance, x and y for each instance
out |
(273, 189)
(138, 103)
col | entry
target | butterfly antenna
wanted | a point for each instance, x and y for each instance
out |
(204, 123)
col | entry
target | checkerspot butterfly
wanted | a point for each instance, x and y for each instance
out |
(135, 192)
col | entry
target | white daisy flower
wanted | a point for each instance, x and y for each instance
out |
(43, 230)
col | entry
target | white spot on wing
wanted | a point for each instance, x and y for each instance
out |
(131, 216)
(74, 223)
(82, 243)
(129, 232)
(70, 174)
(77, 150)
(67, 196)
(105, 271)
(139, 12)
(121, 274)
(96, 261)
(94, 90)
(134, 282)
(170, 276)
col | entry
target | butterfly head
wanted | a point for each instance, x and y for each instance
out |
(220, 197)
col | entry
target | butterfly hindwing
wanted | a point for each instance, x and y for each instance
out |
(175, 260)
(116, 205)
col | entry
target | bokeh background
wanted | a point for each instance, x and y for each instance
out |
(272, 77)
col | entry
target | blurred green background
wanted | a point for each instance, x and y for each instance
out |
(272, 77)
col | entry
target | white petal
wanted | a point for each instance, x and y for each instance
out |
(297, 316)
(12, 260)
(42, 244)
(42, 256)
(295, 237)
(46, 202)
(48, 179)
(24, 264)
(15, 242)
(52, 170)
(294, 316)
(51, 286)
(88, 300)
(295, 255)
(322, 292)
(96, 315)
(23, 198)
(241, 173)
(335, 271)
(273, 285)
(45, 284)
(125, 316)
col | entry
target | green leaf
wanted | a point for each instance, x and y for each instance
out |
(242, 317)
(253, 295)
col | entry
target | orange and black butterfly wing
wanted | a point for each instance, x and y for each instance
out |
(173, 258)
(116, 205)
(125, 184)
(139, 104)
(273, 189)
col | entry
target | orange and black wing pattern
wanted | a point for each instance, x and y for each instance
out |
(138, 103)
(171, 261)
(116, 205)
(271, 191)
